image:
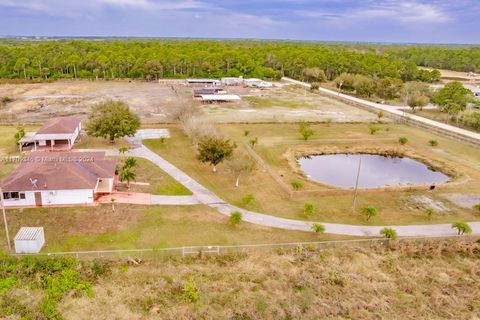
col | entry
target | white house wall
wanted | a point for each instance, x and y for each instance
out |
(28, 201)
(58, 197)
(81, 196)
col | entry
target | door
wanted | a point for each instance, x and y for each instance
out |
(38, 199)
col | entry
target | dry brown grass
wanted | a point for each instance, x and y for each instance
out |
(433, 280)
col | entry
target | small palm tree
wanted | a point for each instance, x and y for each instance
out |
(429, 212)
(235, 217)
(369, 212)
(318, 228)
(462, 227)
(389, 233)
(130, 162)
(123, 149)
(127, 174)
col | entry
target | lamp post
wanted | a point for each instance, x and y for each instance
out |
(5, 220)
(356, 185)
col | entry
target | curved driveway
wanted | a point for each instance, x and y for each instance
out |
(205, 196)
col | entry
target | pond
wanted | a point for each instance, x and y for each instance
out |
(340, 170)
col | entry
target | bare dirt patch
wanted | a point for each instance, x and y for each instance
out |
(156, 102)
(466, 201)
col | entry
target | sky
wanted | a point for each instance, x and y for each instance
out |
(415, 21)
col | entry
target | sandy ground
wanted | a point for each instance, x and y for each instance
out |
(156, 102)
(466, 201)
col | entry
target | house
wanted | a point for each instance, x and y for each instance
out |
(56, 134)
(210, 98)
(59, 178)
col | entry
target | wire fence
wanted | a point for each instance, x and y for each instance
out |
(218, 250)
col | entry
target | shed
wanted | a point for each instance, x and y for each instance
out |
(29, 240)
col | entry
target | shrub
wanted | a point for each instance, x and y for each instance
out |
(389, 233)
(305, 130)
(462, 227)
(314, 86)
(403, 140)
(246, 132)
(373, 129)
(308, 208)
(369, 212)
(429, 212)
(253, 141)
(477, 207)
(433, 143)
(380, 115)
(297, 185)
(318, 228)
(235, 217)
(190, 291)
(248, 199)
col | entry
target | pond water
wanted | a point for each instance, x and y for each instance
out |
(340, 170)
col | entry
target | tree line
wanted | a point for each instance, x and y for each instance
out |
(153, 59)
(466, 59)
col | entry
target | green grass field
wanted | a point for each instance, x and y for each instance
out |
(159, 181)
(276, 142)
(136, 227)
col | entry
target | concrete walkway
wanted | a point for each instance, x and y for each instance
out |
(204, 196)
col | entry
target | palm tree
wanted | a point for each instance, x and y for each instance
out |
(130, 162)
(389, 233)
(127, 174)
(318, 228)
(369, 212)
(462, 227)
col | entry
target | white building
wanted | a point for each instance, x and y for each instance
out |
(54, 178)
(257, 83)
(209, 98)
(29, 240)
(232, 81)
(55, 134)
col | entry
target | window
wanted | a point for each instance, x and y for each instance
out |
(13, 195)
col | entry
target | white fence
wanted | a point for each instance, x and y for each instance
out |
(218, 250)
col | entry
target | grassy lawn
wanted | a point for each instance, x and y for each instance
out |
(159, 181)
(267, 102)
(440, 116)
(96, 228)
(88, 142)
(277, 141)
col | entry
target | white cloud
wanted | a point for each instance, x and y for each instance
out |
(390, 10)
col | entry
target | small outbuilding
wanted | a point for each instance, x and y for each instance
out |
(29, 240)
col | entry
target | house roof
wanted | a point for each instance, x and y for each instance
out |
(60, 125)
(60, 171)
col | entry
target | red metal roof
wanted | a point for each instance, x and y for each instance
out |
(60, 125)
(60, 171)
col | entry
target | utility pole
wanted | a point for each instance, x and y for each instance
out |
(356, 185)
(5, 220)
